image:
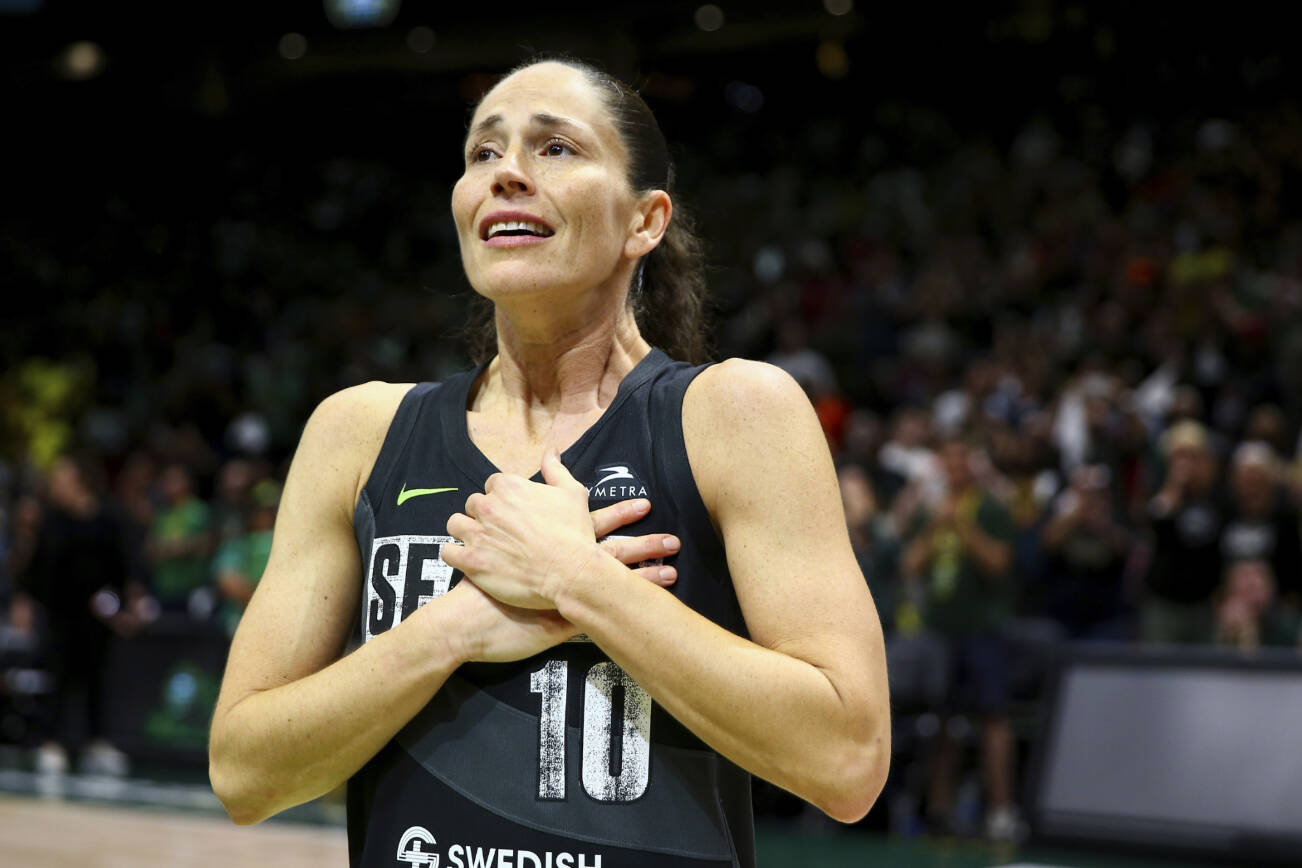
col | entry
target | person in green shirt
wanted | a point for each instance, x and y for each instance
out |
(241, 559)
(875, 545)
(959, 551)
(179, 542)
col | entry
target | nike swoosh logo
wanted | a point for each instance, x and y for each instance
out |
(406, 495)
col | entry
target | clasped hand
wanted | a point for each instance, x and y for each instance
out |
(523, 540)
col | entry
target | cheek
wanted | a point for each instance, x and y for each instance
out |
(599, 211)
(463, 208)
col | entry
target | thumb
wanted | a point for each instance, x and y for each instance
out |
(555, 473)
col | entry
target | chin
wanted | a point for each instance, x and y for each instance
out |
(500, 288)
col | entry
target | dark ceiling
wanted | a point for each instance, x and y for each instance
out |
(177, 75)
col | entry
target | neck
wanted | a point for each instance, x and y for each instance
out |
(551, 360)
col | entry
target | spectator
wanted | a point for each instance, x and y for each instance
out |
(179, 543)
(1262, 524)
(78, 574)
(961, 552)
(1086, 549)
(241, 559)
(231, 500)
(1248, 616)
(906, 457)
(25, 533)
(1187, 519)
(873, 539)
(1266, 424)
(136, 504)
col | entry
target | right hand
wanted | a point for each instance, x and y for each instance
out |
(495, 632)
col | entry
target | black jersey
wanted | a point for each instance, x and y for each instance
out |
(560, 760)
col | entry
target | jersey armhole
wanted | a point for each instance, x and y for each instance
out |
(394, 447)
(674, 468)
(391, 452)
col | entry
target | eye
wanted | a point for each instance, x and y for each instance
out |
(482, 155)
(557, 148)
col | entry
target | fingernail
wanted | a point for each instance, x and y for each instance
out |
(672, 544)
(668, 573)
(641, 503)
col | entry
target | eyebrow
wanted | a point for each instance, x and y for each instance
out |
(542, 119)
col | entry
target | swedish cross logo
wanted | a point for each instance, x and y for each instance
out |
(415, 848)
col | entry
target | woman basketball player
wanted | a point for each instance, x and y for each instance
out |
(524, 694)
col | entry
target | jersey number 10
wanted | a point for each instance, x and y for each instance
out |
(616, 753)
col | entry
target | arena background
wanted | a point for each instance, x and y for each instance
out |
(215, 214)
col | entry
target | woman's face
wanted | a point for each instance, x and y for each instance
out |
(544, 203)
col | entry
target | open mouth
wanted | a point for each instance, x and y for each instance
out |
(515, 229)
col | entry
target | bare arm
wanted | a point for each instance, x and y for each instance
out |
(293, 719)
(804, 702)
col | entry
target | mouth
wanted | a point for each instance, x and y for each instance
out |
(513, 226)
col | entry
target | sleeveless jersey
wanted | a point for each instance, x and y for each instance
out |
(560, 760)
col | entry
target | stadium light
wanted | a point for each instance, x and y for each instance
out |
(351, 14)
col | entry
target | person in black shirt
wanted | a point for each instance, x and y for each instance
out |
(1187, 516)
(79, 574)
(1086, 551)
(1262, 524)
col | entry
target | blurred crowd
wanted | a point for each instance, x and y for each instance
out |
(1061, 376)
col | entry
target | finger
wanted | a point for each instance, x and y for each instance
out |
(658, 575)
(454, 556)
(609, 518)
(460, 525)
(555, 473)
(633, 550)
(473, 503)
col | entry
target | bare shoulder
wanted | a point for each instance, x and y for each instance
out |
(741, 389)
(740, 400)
(344, 434)
(744, 419)
(359, 412)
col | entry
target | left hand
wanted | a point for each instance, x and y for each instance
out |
(524, 539)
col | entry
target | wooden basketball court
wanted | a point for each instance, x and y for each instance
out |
(38, 833)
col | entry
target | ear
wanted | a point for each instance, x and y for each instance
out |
(650, 220)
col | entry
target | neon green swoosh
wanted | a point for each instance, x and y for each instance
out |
(405, 495)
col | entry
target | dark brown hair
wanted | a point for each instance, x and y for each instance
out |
(668, 289)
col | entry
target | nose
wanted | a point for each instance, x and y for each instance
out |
(510, 178)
